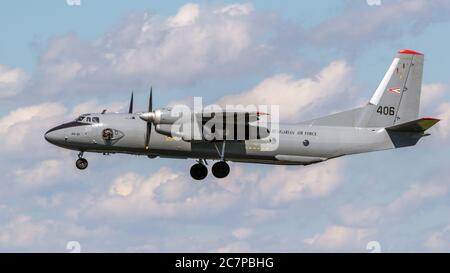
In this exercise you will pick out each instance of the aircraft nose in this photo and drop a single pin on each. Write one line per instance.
(54, 136)
(50, 136)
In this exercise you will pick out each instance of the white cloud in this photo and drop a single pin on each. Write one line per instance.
(171, 194)
(350, 215)
(12, 81)
(191, 46)
(298, 97)
(124, 185)
(285, 185)
(26, 126)
(410, 199)
(165, 194)
(201, 42)
(236, 9)
(242, 232)
(431, 92)
(45, 173)
(340, 238)
(50, 201)
(439, 240)
(25, 114)
(92, 106)
(234, 247)
(26, 233)
(443, 127)
(358, 28)
(21, 231)
(186, 15)
(418, 193)
(259, 215)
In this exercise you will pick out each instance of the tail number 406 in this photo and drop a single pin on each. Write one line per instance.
(386, 110)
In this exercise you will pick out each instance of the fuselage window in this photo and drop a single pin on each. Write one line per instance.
(95, 120)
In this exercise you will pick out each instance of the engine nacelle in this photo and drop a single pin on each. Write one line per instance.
(166, 129)
(162, 116)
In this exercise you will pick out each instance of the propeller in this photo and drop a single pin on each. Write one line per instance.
(130, 110)
(149, 121)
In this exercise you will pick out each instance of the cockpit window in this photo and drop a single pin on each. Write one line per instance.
(86, 118)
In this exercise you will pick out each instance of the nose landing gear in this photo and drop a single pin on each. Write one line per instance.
(81, 162)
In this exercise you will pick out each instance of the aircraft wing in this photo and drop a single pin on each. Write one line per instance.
(234, 125)
(220, 126)
(238, 117)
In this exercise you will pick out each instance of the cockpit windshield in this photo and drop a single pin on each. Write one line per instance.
(88, 119)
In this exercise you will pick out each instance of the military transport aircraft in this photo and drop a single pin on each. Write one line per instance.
(388, 121)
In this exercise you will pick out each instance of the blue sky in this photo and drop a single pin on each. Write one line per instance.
(310, 57)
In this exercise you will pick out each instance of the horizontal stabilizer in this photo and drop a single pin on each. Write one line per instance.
(418, 125)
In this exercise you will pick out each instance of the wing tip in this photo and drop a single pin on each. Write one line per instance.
(427, 122)
(430, 118)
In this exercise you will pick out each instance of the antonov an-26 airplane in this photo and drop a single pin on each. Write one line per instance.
(388, 121)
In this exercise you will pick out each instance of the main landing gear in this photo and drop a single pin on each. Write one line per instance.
(81, 162)
(220, 169)
(199, 171)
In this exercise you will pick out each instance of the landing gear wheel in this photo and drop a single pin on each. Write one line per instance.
(81, 163)
(220, 169)
(199, 171)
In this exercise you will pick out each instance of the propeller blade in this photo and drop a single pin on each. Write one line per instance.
(149, 124)
(130, 110)
(147, 135)
(150, 100)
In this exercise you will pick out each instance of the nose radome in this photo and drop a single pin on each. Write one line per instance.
(53, 136)
(50, 136)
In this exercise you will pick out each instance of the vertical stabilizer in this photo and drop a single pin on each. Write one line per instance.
(395, 101)
(397, 98)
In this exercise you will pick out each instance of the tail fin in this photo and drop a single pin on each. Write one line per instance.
(395, 101)
(397, 98)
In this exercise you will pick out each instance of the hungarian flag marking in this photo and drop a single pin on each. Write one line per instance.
(394, 90)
